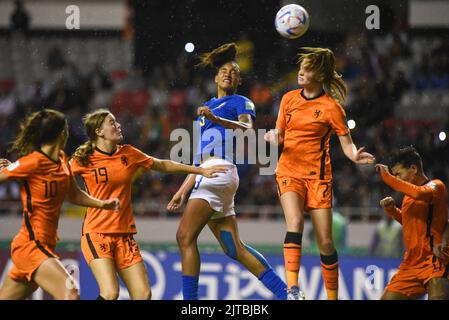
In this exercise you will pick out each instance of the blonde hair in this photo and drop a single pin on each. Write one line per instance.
(92, 121)
(321, 61)
(38, 128)
(219, 56)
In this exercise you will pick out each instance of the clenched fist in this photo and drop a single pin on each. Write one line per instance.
(387, 203)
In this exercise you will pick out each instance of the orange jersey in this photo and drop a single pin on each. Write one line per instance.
(45, 183)
(110, 176)
(423, 216)
(308, 125)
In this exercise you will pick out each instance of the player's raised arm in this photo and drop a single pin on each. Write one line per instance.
(424, 193)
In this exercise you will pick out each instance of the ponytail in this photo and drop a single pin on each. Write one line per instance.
(336, 87)
(83, 152)
(219, 56)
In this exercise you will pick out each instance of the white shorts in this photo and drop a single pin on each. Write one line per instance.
(219, 192)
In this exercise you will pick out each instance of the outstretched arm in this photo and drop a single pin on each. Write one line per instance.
(168, 166)
(352, 153)
(424, 193)
(81, 198)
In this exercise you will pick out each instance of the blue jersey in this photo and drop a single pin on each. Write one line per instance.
(215, 140)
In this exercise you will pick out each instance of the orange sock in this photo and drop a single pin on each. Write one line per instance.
(329, 269)
(292, 260)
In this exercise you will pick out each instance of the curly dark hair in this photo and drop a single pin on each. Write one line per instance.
(406, 157)
(219, 56)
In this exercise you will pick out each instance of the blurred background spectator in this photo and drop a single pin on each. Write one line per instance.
(20, 19)
(387, 240)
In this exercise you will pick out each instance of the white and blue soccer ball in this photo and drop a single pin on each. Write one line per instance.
(292, 21)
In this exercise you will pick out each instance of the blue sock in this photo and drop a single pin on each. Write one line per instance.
(190, 287)
(274, 283)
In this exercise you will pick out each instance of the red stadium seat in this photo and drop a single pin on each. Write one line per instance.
(138, 101)
(118, 75)
(120, 101)
(7, 84)
(134, 102)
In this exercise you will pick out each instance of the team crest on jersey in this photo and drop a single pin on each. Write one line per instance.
(124, 160)
(249, 105)
(103, 247)
(433, 185)
(12, 166)
(317, 113)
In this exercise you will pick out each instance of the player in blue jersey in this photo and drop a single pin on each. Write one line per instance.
(211, 201)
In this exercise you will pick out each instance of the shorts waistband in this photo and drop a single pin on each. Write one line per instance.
(216, 162)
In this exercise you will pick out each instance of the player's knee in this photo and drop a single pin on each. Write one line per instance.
(438, 296)
(438, 289)
(110, 295)
(228, 245)
(326, 247)
(184, 238)
(295, 223)
(147, 294)
(71, 295)
(144, 294)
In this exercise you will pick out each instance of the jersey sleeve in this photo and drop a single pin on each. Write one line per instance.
(428, 192)
(74, 167)
(22, 168)
(338, 121)
(395, 213)
(139, 158)
(281, 122)
(246, 106)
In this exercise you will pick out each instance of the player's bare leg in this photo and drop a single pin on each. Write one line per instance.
(194, 218)
(322, 224)
(105, 273)
(293, 206)
(227, 234)
(54, 279)
(438, 289)
(391, 295)
(136, 280)
(16, 290)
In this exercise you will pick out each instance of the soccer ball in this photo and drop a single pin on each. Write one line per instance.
(292, 21)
